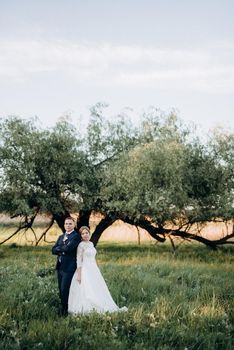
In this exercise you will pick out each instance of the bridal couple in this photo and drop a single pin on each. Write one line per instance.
(82, 288)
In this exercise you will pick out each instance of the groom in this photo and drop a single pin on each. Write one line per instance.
(65, 248)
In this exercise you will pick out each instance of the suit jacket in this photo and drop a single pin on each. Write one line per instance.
(66, 251)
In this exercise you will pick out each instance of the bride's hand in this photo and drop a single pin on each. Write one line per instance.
(78, 278)
(78, 274)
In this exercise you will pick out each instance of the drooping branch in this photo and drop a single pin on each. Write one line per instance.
(155, 232)
(191, 236)
(45, 232)
(213, 244)
(34, 233)
(23, 225)
(13, 234)
(138, 235)
(226, 239)
(172, 243)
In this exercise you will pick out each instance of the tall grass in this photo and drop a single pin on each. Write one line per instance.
(183, 301)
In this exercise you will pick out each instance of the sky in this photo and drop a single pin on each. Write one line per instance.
(61, 57)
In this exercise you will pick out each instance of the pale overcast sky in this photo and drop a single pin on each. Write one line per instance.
(61, 57)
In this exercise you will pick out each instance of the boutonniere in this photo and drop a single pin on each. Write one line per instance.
(65, 238)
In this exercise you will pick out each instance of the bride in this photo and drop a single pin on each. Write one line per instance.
(88, 290)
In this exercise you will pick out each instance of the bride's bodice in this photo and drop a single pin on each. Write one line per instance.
(86, 253)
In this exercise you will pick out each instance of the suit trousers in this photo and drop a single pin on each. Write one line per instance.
(64, 282)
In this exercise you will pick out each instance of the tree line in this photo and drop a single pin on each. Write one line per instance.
(159, 175)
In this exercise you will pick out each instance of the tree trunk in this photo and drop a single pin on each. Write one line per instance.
(102, 226)
(84, 216)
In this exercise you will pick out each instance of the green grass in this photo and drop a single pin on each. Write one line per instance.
(182, 301)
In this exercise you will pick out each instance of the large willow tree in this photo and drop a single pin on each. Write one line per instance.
(158, 175)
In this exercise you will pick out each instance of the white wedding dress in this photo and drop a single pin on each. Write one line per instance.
(92, 293)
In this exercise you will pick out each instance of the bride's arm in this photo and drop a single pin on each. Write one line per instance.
(79, 260)
(79, 274)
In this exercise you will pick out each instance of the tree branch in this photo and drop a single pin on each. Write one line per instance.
(45, 232)
(27, 223)
(146, 225)
(13, 234)
(156, 233)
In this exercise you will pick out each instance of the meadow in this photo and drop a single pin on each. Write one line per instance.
(176, 301)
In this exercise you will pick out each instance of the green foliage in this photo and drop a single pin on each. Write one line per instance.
(44, 170)
(148, 181)
(205, 181)
(175, 301)
(170, 177)
(105, 139)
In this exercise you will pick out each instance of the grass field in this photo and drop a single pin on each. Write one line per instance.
(182, 301)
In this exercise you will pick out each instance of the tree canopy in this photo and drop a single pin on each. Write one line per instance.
(157, 175)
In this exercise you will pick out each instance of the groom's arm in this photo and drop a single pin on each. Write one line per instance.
(66, 248)
(56, 247)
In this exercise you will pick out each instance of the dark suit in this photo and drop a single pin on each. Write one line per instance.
(66, 264)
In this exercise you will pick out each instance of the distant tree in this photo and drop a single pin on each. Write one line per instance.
(156, 175)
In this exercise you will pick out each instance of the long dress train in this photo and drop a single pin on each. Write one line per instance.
(92, 293)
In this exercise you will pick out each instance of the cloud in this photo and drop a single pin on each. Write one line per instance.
(104, 65)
